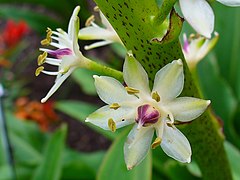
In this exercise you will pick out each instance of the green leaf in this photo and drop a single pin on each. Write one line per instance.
(81, 165)
(50, 168)
(229, 44)
(79, 111)
(5, 173)
(114, 167)
(220, 93)
(24, 152)
(233, 155)
(84, 78)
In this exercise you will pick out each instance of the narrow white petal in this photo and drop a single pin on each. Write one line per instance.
(134, 75)
(169, 81)
(230, 2)
(137, 145)
(97, 44)
(95, 33)
(111, 91)
(73, 26)
(176, 145)
(187, 108)
(199, 15)
(105, 22)
(57, 84)
(122, 116)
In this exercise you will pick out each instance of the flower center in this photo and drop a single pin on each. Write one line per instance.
(147, 115)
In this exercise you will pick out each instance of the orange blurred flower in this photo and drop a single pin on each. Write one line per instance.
(42, 114)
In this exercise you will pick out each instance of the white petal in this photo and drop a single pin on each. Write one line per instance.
(176, 145)
(137, 145)
(134, 75)
(95, 33)
(230, 2)
(122, 116)
(199, 15)
(187, 108)
(97, 44)
(105, 22)
(73, 26)
(169, 80)
(111, 91)
(57, 84)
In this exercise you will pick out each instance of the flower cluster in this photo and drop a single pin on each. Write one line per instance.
(66, 56)
(95, 32)
(200, 16)
(148, 110)
(196, 48)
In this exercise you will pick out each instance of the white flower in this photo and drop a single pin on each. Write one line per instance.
(200, 16)
(147, 110)
(66, 56)
(197, 47)
(94, 32)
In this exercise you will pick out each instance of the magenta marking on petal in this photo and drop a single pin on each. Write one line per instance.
(59, 53)
(147, 115)
(185, 43)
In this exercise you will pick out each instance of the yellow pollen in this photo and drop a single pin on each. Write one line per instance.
(96, 9)
(41, 58)
(112, 125)
(156, 142)
(39, 70)
(156, 96)
(169, 124)
(114, 106)
(89, 20)
(46, 42)
(131, 90)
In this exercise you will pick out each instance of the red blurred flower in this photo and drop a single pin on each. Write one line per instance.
(42, 114)
(13, 32)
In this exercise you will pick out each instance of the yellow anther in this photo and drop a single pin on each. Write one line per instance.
(46, 42)
(96, 9)
(89, 20)
(112, 125)
(49, 33)
(169, 124)
(156, 96)
(39, 70)
(131, 90)
(156, 142)
(114, 106)
(42, 58)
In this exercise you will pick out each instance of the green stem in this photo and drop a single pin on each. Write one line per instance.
(133, 23)
(103, 70)
(164, 11)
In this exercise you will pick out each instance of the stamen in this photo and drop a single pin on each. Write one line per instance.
(131, 90)
(49, 33)
(89, 20)
(112, 125)
(42, 58)
(96, 9)
(39, 70)
(46, 42)
(156, 96)
(51, 73)
(114, 106)
(156, 142)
